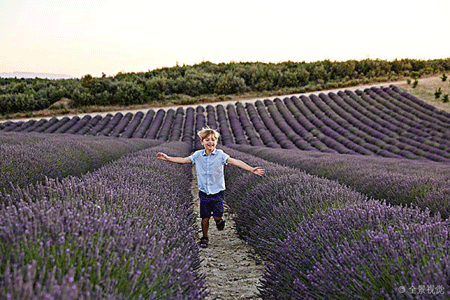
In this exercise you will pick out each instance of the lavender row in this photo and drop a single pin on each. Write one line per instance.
(166, 125)
(322, 240)
(126, 231)
(224, 128)
(283, 196)
(236, 126)
(176, 130)
(154, 128)
(30, 157)
(188, 131)
(398, 181)
(143, 126)
(211, 117)
(200, 122)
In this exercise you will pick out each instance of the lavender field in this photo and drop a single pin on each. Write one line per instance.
(377, 122)
(354, 203)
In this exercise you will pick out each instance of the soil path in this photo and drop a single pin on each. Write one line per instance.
(231, 267)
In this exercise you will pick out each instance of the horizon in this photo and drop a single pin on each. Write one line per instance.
(54, 37)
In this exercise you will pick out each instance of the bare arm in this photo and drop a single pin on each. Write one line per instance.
(180, 160)
(239, 163)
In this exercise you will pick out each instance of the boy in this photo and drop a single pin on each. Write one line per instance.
(210, 178)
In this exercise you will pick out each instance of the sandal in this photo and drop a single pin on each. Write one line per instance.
(204, 242)
(220, 224)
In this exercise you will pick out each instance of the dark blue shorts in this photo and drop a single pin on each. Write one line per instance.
(211, 204)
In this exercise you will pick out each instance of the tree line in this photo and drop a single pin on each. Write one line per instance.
(189, 83)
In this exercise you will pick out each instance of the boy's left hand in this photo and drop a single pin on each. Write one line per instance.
(258, 171)
(162, 156)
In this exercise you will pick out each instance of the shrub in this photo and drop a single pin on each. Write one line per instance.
(438, 93)
(362, 251)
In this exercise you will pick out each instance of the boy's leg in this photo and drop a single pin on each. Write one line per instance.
(205, 226)
(205, 212)
(218, 209)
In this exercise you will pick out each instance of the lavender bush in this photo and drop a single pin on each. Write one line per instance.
(125, 231)
(30, 157)
(398, 181)
(268, 207)
(155, 125)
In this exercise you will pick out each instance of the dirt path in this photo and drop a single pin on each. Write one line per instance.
(232, 268)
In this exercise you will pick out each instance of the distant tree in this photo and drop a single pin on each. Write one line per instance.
(129, 93)
(230, 84)
(319, 72)
(415, 83)
(444, 77)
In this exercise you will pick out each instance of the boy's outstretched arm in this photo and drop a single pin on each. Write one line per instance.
(239, 163)
(180, 160)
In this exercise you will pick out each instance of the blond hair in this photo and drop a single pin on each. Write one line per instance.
(206, 131)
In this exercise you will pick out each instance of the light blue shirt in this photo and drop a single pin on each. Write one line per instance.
(209, 168)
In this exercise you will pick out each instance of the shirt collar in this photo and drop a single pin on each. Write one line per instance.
(213, 153)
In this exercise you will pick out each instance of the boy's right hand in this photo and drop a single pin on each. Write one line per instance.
(162, 156)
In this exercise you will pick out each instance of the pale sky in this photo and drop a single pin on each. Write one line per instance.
(79, 37)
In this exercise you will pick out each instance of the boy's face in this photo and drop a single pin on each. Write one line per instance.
(209, 142)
